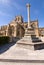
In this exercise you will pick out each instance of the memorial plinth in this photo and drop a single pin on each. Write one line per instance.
(30, 41)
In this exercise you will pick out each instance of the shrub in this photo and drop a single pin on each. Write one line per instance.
(4, 40)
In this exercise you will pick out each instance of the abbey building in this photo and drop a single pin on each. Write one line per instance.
(16, 28)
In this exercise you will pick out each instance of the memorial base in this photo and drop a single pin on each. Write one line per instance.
(30, 41)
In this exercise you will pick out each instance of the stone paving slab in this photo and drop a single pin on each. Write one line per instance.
(21, 56)
(15, 52)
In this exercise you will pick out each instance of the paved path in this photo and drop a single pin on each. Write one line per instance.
(19, 56)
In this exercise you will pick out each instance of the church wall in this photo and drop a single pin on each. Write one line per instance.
(41, 32)
(20, 31)
(17, 28)
(37, 32)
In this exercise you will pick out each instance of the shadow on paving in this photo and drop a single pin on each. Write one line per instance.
(5, 47)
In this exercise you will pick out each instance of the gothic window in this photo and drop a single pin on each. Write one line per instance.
(26, 26)
(33, 25)
(11, 30)
(12, 27)
(16, 19)
(18, 32)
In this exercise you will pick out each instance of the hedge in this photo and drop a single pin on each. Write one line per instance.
(4, 40)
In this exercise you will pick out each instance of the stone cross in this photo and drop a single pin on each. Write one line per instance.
(28, 10)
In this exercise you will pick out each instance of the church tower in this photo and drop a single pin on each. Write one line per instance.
(19, 19)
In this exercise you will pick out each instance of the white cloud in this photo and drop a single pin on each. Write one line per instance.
(12, 3)
(4, 14)
(5, 2)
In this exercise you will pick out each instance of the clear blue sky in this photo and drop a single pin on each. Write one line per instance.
(11, 8)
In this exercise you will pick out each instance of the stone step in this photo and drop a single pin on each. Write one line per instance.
(34, 39)
(21, 62)
(29, 34)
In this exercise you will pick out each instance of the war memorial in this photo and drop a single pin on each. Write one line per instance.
(30, 40)
(27, 51)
